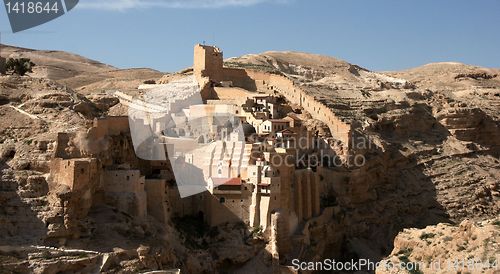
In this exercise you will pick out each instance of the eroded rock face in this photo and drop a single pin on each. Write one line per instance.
(17, 259)
(469, 248)
(470, 125)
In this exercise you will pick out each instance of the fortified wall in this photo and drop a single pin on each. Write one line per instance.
(210, 72)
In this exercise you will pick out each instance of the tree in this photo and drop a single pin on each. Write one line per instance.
(19, 66)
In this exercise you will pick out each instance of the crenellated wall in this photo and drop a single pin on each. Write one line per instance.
(340, 130)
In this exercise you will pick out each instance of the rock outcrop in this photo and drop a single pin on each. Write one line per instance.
(467, 248)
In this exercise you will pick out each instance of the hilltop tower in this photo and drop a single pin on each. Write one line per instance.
(208, 62)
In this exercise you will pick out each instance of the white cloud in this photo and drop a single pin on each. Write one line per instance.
(121, 5)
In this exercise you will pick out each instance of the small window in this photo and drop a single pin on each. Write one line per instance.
(222, 200)
(128, 178)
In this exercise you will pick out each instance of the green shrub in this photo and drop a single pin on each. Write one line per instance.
(425, 236)
(447, 238)
(19, 66)
(257, 232)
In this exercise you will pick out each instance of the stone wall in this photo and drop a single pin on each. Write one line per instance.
(157, 199)
(240, 78)
(77, 174)
(233, 209)
(306, 198)
(122, 181)
(179, 207)
(238, 95)
(125, 190)
(279, 238)
(109, 126)
(72, 184)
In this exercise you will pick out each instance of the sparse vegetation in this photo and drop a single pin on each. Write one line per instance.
(265, 68)
(405, 251)
(19, 66)
(447, 238)
(192, 229)
(257, 232)
(461, 248)
(405, 259)
(425, 236)
(149, 82)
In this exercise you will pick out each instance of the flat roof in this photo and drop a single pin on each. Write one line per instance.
(226, 181)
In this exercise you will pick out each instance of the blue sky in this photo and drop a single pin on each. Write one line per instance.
(378, 35)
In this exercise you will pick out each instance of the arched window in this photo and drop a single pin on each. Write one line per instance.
(222, 200)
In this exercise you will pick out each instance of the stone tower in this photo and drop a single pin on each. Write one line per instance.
(208, 62)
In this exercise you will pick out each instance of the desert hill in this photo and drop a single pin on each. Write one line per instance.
(451, 75)
(78, 72)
